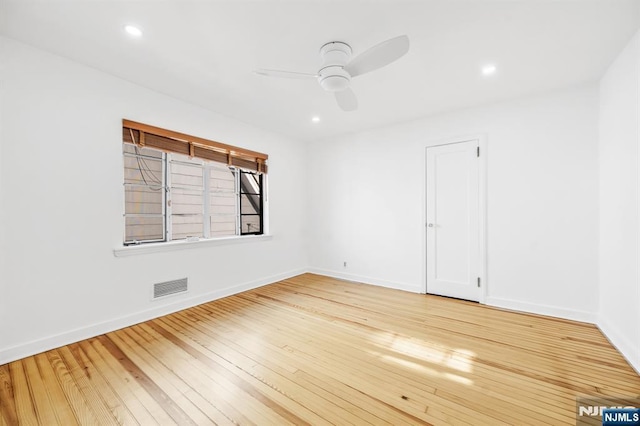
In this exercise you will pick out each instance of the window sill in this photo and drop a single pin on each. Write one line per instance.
(135, 250)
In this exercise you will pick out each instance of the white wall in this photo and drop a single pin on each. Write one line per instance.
(619, 316)
(367, 205)
(62, 203)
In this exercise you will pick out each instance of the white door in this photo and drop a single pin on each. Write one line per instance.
(453, 228)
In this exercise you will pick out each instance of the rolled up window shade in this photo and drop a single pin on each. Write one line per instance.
(145, 135)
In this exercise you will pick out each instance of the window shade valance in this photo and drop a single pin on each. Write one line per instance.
(193, 146)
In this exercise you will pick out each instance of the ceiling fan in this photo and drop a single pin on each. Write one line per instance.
(338, 68)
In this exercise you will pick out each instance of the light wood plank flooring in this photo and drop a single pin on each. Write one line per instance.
(315, 350)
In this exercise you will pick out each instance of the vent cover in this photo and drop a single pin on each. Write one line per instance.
(169, 287)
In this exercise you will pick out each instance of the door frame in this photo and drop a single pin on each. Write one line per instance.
(482, 208)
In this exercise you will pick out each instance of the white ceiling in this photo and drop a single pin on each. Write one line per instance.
(204, 51)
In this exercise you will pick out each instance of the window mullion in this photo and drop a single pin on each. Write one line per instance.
(167, 216)
(206, 201)
(238, 196)
(261, 186)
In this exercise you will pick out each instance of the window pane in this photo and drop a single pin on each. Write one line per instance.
(142, 171)
(249, 183)
(186, 213)
(144, 228)
(249, 204)
(221, 226)
(223, 213)
(222, 179)
(222, 201)
(140, 199)
(250, 224)
(144, 194)
(183, 226)
(187, 205)
(186, 175)
(186, 201)
(222, 204)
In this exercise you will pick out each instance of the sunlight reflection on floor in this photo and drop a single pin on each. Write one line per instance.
(406, 347)
(389, 359)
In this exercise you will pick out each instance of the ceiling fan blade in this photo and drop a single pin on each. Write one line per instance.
(284, 74)
(378, 56)
(347, 100)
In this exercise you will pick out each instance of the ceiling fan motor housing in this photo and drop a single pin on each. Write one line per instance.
(332, 76)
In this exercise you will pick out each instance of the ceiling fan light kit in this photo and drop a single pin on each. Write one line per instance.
(337, 68)
(332, 76)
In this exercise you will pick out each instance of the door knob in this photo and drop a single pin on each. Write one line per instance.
(430, 225)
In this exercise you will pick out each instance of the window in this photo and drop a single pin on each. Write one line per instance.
(172, 196)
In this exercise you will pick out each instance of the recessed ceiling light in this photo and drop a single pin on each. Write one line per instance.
(315, 119)
(133, 30)
(489, 69)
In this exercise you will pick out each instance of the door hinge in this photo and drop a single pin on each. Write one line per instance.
(478, 281)
(478, 151)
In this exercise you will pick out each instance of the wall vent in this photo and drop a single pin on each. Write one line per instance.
(169, 287)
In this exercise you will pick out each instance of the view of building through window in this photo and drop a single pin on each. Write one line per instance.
(169, 196)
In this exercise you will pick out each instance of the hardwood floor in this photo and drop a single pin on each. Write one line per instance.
(315, 350)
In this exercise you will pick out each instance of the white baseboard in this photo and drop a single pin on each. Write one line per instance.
(628, 350)
(366, 280)
(72, 336)
(534, 308)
